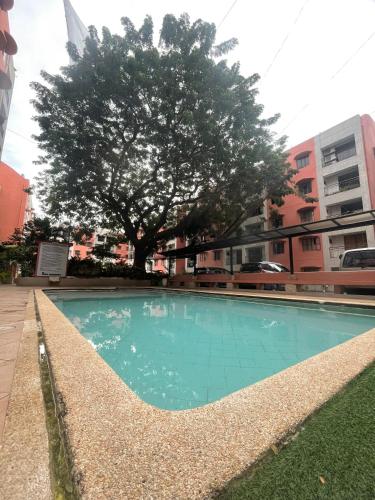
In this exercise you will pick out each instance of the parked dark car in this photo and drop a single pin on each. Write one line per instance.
(264, 267)
(210, 270)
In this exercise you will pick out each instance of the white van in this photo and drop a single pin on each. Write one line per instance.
(357, 259)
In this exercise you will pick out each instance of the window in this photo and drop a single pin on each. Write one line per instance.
(309, 244)
(190, 263)
(307, 215)
(277, 220)
(250, 267)
(354, 206)
(356, 240)
(278, 247)
(310, 269)
(217, 254)
(303, 160)
(254, 254)
(346, 150)
(342, 151)
(100, 237)
(256, 211)
(349, 180)
(360, 258)
(253, 228)
(78, 253)
(304, 187)
(203, 257)
(237, 257)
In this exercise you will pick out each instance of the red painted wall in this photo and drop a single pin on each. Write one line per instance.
(291, 214)
(207, 259)
(368, 131)
(80, 251)
(180, 263)
(13, 201)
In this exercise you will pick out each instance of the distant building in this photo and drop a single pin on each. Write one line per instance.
(77, 31)
(15, 202)
(99, 238)
(337, 167)
(8, 48)
(335, 176)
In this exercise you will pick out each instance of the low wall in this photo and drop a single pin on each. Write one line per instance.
(72, 282)
(330, 278)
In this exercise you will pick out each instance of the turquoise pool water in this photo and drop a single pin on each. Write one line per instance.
(179, 350)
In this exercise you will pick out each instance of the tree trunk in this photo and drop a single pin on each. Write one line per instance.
(140, 256)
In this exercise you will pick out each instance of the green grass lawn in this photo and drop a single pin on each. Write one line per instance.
(333, 457)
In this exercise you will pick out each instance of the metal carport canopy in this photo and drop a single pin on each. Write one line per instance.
(349, 221)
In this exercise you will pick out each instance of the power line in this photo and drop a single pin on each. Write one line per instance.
(277, 53)
(22, 136)
(227, 14)
(355, 53)
(331, 78)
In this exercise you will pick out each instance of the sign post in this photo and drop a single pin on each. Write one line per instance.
(52, 259)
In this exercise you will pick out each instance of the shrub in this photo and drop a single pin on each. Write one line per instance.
(5, 277)
(89, 268)
(85, 268)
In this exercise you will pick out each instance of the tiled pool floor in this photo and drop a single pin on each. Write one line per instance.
(179, 351)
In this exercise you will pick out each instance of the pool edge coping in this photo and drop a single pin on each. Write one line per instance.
(170, 472)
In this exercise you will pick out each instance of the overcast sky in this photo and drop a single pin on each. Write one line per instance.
(299, 60)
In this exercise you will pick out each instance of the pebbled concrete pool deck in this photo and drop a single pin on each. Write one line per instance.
(125, 448)
(328, 298)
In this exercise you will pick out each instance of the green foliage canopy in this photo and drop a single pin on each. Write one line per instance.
(155, 141)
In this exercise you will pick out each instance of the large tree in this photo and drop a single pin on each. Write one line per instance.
(155, 141)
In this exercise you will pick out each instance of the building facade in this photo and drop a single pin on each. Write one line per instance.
(335, 176)
(8, 48)
(77, 31)
(15, 201)
(346, 183)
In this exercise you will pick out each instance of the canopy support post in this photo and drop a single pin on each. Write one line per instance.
(291, 259)
(231, 260)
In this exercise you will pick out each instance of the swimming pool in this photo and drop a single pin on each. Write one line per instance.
(179, 350)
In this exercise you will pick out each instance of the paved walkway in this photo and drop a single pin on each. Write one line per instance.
(12, 314)
(24, 457)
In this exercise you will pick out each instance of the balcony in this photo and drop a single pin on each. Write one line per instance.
(342, 185)
(340, 210)
(339, 152)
